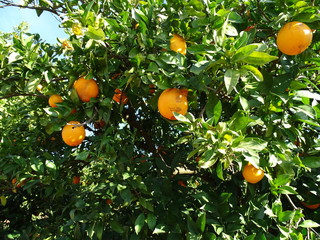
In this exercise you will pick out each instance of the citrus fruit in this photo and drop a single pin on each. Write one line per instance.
(173, 100)
(178, 44)
(311, 206)
(76, 180)
(252, 174)
(293, 38)
(72, 134)
(120, 96)
(53, 99)
(86, 89)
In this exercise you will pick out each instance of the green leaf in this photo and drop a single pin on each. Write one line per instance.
(287, 190)
(3, 200)
(160, 228)
(311, 162)
(307, 94)
(151, 221)
(219, 171)
(139, 223)
(244, 52)
(254, 71)
(116, 226)
(259, 58)
(231, 78)
(213, 108)
(201, 222)
(309, 224)
(286, 216)
(239, 121)
(96, 34)
(199, 67)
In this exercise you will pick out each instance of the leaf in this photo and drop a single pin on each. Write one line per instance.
(201, 222)
(116, 226)
(307, 94)
(213, 108)
(239, 121)
(287, 190)
(14, 57)
(286, 216)
(151, 221)
(96, 34)
(138, 225)
(254, 71)
(311, 162)
(231, 78)
(309, 224)
(199, 67)
(160, 228)
(244, 52)
(3, 200)
(259, 58)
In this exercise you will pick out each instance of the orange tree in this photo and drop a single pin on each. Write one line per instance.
(144, 176)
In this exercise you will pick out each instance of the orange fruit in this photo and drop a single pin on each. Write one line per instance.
(311, 206)
(152, 88)
(173, 100)
(252, 174)
(73, 135)
(293, 38)
(76, 180)
(53, 99)
(182, 183)
(14, 181)
(178, 44)
(86, 89)
(120, 96)
(109, 201)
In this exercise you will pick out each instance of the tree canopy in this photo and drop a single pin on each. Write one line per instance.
(138, 174)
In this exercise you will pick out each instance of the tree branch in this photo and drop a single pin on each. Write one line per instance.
(11, 4)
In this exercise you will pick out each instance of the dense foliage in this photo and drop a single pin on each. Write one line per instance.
(143, 176)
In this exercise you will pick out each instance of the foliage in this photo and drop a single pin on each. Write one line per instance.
(142, 176)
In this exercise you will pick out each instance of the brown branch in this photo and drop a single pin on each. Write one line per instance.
(11, 4)
(23, 95)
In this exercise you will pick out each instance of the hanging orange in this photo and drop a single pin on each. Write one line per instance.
(73, 135)
(53, 99)
(86, 89)
(120, 96)
(252, 174)
(294, 38)
(173, 100)
(178, 44)
(76, 180)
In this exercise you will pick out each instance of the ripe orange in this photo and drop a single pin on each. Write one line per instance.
(53, 99)
(311, 206)
(109, 201)
(76, 180)
(86, 89)
(14, 181)
(293, 38)
(120, 96)
(252, 174)
(173, 100)
(178, 44)
(73, 135)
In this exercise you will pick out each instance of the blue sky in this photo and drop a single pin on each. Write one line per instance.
(46, 25)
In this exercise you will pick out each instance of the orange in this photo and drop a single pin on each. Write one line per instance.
(86, 89)
(76, 180)
(14, 181)
(73, 135)
(109, 201)
(152, 88)
(120, 96)
(173, 100)
(311, 206)
(293, 38)
(178, 44)
(182, 183)
(53, 99)
(252, 174)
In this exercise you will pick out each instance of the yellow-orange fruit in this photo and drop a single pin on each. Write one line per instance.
(73, 135)
(86, 89)
(53, 99)
(173, 100)
(178, 44)
(252, 174)
(293, 38)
